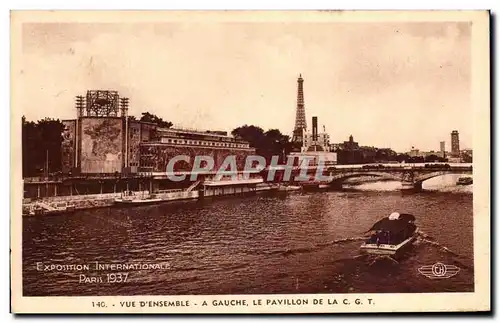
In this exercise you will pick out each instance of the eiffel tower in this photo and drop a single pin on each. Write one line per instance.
(300, 114)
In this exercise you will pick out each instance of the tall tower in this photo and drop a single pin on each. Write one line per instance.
(300, 114)
(455, 144)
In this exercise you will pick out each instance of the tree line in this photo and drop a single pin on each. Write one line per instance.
(41, 141)
(41, 145)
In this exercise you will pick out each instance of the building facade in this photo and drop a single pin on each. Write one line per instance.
(442, 149)
(455, 144)
(103, 139)
(316, 145)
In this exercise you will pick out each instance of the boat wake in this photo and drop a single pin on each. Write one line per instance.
(423, 238)
(341, 241)
(415, 253)
(316, 247)
(376, 260)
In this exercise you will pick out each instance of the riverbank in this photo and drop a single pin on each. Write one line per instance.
(63, 204)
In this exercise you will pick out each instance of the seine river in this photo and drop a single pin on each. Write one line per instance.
(281, 243)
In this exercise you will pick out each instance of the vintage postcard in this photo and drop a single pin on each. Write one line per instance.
(250, 161)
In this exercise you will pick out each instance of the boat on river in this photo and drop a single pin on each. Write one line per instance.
(129, 198)
(464, 181)
(137, 201)
(390, 234)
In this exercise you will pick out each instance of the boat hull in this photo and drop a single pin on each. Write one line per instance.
(386, 249)
(137, 202)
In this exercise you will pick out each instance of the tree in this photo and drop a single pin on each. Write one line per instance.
(267, 144)
(149, 117)
(403, 158)
(41, 141)
(466, 158)
(254, 135)
(417, 159)
(431, 158)
(276, 144)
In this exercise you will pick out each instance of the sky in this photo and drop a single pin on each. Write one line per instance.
(393, 85)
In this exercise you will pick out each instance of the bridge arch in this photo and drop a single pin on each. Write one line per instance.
(425, 176)
(341, 177)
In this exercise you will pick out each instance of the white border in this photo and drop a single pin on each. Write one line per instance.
(5, 126)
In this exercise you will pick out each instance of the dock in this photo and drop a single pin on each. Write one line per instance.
(197, 190)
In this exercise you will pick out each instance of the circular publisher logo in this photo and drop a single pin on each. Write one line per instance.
(438, 269)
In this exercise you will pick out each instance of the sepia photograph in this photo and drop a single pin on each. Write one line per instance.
(197, 162)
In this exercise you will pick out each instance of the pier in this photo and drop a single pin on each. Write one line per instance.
(45, 196)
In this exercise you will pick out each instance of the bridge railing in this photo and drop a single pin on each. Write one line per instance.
(400, 168)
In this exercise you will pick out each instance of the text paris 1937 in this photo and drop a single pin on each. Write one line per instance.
(111, 278)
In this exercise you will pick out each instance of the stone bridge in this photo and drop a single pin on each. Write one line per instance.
(410, 177)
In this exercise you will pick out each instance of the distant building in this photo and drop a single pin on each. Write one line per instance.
(455, 144)
(316, 141)
(335, 146)
(350, 145)
(350, 152)
(316, 145)
(442, 149)
(454, 160)
(414, 152)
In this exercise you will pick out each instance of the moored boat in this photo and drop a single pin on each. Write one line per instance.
(391, 234)
(464, 181)
(137, 201)
(129, 198)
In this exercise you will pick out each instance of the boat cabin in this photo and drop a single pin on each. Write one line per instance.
(392, 230)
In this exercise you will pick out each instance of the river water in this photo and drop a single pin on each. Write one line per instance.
(279, 243)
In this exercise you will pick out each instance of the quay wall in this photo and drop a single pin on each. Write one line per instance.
(104, 200)
(86, 197)
(179, 195)
(79, 202)
(228, 190)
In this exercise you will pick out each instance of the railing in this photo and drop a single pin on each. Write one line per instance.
(193, 186)
(73, 198)
(169, 191)
(400, 168)
(234, 182)
(60, 178)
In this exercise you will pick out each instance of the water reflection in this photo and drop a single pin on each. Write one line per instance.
(279, 243)
(444, 183)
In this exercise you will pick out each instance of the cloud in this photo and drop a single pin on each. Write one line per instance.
(370, 79)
